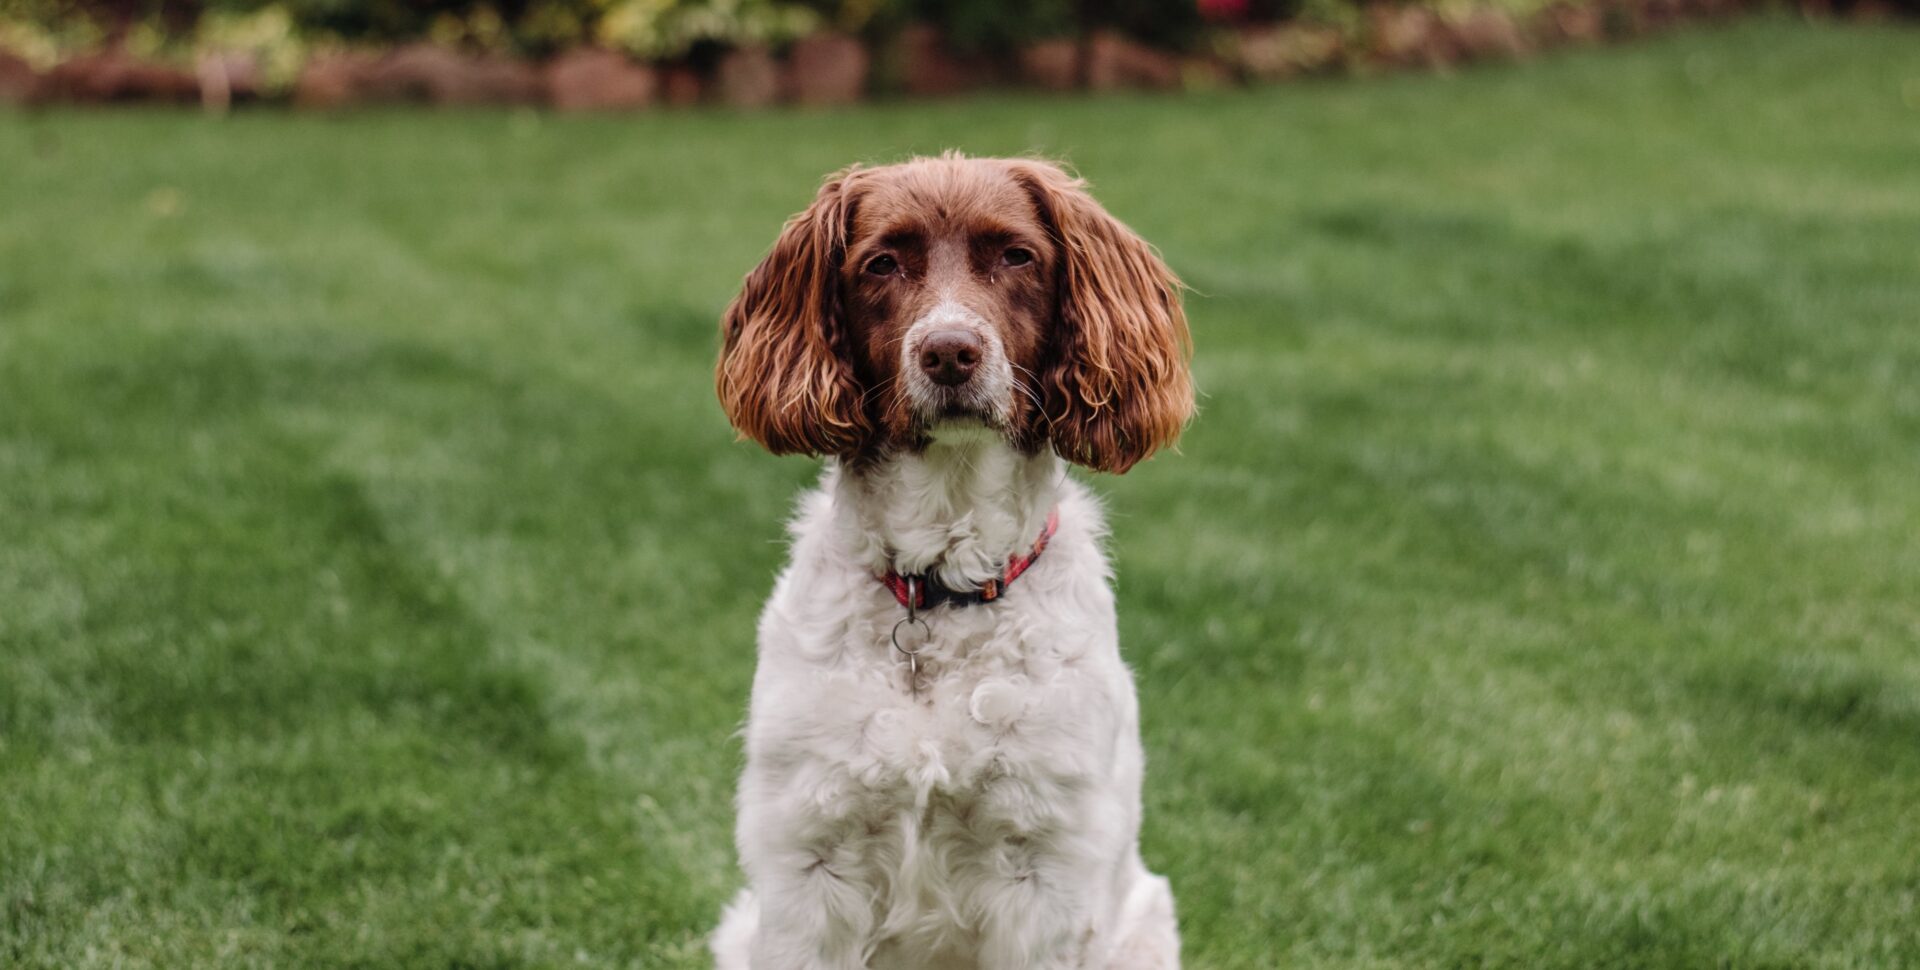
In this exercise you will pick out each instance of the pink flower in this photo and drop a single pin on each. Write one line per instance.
(1222, 9)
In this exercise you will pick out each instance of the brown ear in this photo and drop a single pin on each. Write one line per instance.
(785, 377)
(1116, 388)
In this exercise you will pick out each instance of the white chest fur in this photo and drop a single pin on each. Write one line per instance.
(988, 818)
(1007, 695)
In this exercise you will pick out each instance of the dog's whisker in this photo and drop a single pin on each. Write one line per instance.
(876, 389)
(1028, 392)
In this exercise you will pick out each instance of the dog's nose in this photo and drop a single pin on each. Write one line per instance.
(949, 356)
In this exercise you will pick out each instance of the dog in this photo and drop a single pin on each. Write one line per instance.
(943, 761)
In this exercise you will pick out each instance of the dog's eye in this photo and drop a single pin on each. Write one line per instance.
(1017, 256)
(883, 265)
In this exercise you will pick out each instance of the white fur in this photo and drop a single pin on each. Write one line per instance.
(988, 818)
(992, 384)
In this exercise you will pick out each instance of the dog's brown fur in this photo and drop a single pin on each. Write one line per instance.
(1090, 318)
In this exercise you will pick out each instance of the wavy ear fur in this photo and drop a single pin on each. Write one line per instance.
(1116, 386)
(785, 375)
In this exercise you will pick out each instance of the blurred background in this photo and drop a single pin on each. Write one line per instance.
(631, 54)
(1538, 586)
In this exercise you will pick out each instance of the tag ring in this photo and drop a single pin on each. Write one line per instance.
(912, 621)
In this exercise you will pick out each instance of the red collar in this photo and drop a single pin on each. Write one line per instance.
(930, 592)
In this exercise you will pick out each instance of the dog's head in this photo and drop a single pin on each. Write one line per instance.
(943, 292)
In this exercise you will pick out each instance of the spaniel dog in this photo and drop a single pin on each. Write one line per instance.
(943, 752)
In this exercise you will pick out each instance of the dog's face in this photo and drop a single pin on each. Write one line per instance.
(952, 291)
(948, 290)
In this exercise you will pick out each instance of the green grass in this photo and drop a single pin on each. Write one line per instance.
(1539, 587)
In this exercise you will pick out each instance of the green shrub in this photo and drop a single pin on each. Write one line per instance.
(659, 29)
(654, 28)
(990, 25)
(668, 28)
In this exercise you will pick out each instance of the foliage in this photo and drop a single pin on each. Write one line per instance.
(999, 25)
(388, 20)
(267, 33)
(666, 29)
(991, 25)
(44, 42)
(1171, 24)
(653, 28)
(658, 28)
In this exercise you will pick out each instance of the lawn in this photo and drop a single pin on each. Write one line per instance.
(1540, 585)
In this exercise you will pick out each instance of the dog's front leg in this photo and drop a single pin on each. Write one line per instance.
(1029, 925)
(816, 908)
(811, 919)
